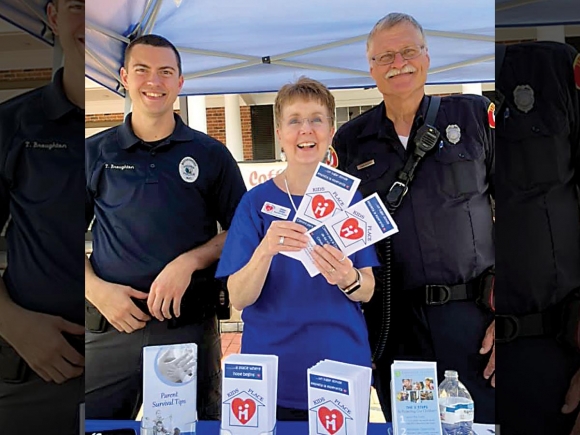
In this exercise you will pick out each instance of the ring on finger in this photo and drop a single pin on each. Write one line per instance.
(342, 259)
(331, 271)
(281, 241)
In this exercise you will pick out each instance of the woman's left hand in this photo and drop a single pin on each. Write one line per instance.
(335, 266)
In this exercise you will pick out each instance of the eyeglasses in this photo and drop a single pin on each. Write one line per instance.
(408, 53)
(316, 122)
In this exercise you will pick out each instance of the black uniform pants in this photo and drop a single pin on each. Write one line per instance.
(114, 368)
(533, 377)
(38, 407)
(451, 335)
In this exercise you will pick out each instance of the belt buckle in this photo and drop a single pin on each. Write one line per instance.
(511, 328)
(429, 300)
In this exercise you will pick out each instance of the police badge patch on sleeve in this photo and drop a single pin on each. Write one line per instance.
(577, 71)
(331, 158)
(491, 115)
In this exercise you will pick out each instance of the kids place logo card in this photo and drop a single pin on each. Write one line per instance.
(414, 398)
(249, 394)
(169, 389)
(362, 224)
(329, 192)
(338, 398)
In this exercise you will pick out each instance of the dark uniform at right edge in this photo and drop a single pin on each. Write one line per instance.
(538, 236)
(444, 246)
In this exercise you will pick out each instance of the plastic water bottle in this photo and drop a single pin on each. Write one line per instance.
(455, 406)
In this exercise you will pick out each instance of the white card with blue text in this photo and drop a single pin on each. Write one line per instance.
(362, 224)
(249, 394)
(338, 398)
(170, 388)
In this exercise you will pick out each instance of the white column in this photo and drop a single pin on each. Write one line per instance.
(234, 126)
(471, 88)
(196, 113)
(551, 33)
(57, 56)
(128, 104)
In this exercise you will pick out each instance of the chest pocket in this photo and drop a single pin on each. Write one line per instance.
(461, 168)
(374, 178)
(534, 148)
(115, 184)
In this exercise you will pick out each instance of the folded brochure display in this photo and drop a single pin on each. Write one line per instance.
(249, 394)
(169, 389)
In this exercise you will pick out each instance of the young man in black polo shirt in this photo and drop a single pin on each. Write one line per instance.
(42, 289)
(157, 188)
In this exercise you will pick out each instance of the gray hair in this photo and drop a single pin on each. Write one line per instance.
(391, 20)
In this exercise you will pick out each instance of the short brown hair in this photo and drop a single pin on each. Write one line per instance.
(154, 41)
(304, 89)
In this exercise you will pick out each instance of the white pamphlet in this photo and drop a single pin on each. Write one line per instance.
(170, 389)
(249, 394)
(338, 398)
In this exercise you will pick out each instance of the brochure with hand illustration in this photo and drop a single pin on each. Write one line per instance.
(249, 394)
(169, 389)
(414, 398)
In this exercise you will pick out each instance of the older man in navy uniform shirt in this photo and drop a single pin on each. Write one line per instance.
(157, 189)
(538, 237)
(42, 290)
(445, 219)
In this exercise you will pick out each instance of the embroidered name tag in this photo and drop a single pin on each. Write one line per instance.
(276, 210)
(121, 167)
(45, 146)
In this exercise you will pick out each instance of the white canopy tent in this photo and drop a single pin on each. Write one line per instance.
(256, 46)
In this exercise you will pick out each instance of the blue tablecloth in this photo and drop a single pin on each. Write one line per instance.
(284, 427)
(213, 427)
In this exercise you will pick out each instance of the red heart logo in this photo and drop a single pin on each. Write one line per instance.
(331, 420)
(244, 410)
(269, 207)
(321, 206)
(351, 230)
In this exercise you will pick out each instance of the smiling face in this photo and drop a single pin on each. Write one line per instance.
(67, 21)
(152, 79)
(402, 77)
(305, 142)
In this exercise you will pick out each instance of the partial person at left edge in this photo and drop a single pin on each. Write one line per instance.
(42, 289)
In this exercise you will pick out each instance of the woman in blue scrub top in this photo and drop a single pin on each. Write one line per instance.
(286, 312)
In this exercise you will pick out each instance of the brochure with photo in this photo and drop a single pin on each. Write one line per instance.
(414, 398)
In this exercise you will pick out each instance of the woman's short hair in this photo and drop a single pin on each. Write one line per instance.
(304, 89)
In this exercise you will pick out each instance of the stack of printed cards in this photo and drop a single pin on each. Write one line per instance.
(414, 398)
(325, 212)
(329, 192)
(249, 394)
(338, 398)
(170, 389)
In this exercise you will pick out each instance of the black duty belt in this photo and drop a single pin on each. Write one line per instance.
(437, 294)
(510, 327)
